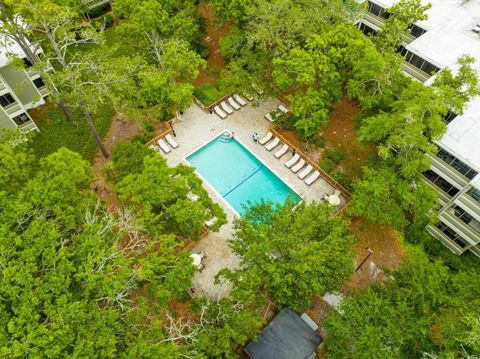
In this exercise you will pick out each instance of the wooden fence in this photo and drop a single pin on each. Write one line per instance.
(154, 140)
(332, 182)
(209, 108)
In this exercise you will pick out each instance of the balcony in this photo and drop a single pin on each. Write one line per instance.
(91, 4)
(469, 205)
(463, 229)
(374, 19)
(12, 108)
(43, 91)
(437, 233)
(475, 250)
(28, 127)
(442, 196)
(448, 172)
(415, 72)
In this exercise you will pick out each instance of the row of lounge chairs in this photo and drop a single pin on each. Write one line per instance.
(296, 163)
(162, 144)
(228, 106)
(279, 111)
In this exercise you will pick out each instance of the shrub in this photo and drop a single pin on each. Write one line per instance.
(128, 159)
(334, 155)
(209, 93)
(148, 130)
(204, 52)
(103, 22)
(139, 139)
(319, 141)
(342, 178)
(327, 165)
(56, 131)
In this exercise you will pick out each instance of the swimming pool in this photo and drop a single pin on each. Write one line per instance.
(237, 174)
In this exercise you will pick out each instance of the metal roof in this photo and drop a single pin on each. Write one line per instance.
(286, 337)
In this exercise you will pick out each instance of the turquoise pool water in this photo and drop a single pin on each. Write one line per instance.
(237, 174)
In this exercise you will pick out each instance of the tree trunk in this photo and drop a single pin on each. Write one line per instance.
(88, 118)
(66, 110)
(22, 41)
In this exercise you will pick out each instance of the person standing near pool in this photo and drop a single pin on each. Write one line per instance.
(255, 137)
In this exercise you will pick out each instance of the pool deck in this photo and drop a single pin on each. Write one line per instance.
(195, 129)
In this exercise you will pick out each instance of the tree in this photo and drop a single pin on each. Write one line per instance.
(403, 15)
(383, 197)
(72, 274)
(264, 31)
(224, 326)
(312, 76)
(405, 137)
(172, 199)
(167, 88)
(155, 22)
(290, 253)
(83, 80)
(15, 160)
(127, 158)
(412, 314)
(13, 28)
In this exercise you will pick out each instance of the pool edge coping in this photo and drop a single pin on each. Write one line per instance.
(226, 130)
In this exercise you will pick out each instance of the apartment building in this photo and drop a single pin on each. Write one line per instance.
(451, 30)
(92, 4)
(20, 89)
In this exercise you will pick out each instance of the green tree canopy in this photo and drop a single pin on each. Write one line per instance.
(290, 253)
(424, 308)
(172, 198)
(70, 270)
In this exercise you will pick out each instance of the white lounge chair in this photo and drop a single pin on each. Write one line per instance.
(240, 100)
(305, 172)
(163, 146)
(267, 138)
(337, 193)
(220, 112)
(299, 165)
(232, 103)
(226, 108)
(273, 144)
(312, 178)
(171, 141)
(292, 160)
(269, 117)
(283, 109)
(281, 151)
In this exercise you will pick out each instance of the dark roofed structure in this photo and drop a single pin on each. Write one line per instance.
(287, 336)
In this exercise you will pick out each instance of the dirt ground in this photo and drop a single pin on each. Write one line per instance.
(341, 133)
(388, 252)
(121, 129)
(214, 33)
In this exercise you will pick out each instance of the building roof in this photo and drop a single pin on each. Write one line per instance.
(450, 35)
(7, 49)
(286, 337)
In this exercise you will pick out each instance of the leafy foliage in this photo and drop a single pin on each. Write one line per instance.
(56, 132)
(172, 199)
(425, 308)
(290, 253)
(69, 268)
(405, 137)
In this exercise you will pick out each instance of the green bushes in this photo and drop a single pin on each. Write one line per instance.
(128, 159)
(331, 158)
(209, 93)
(103, 22)
(56, 131)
